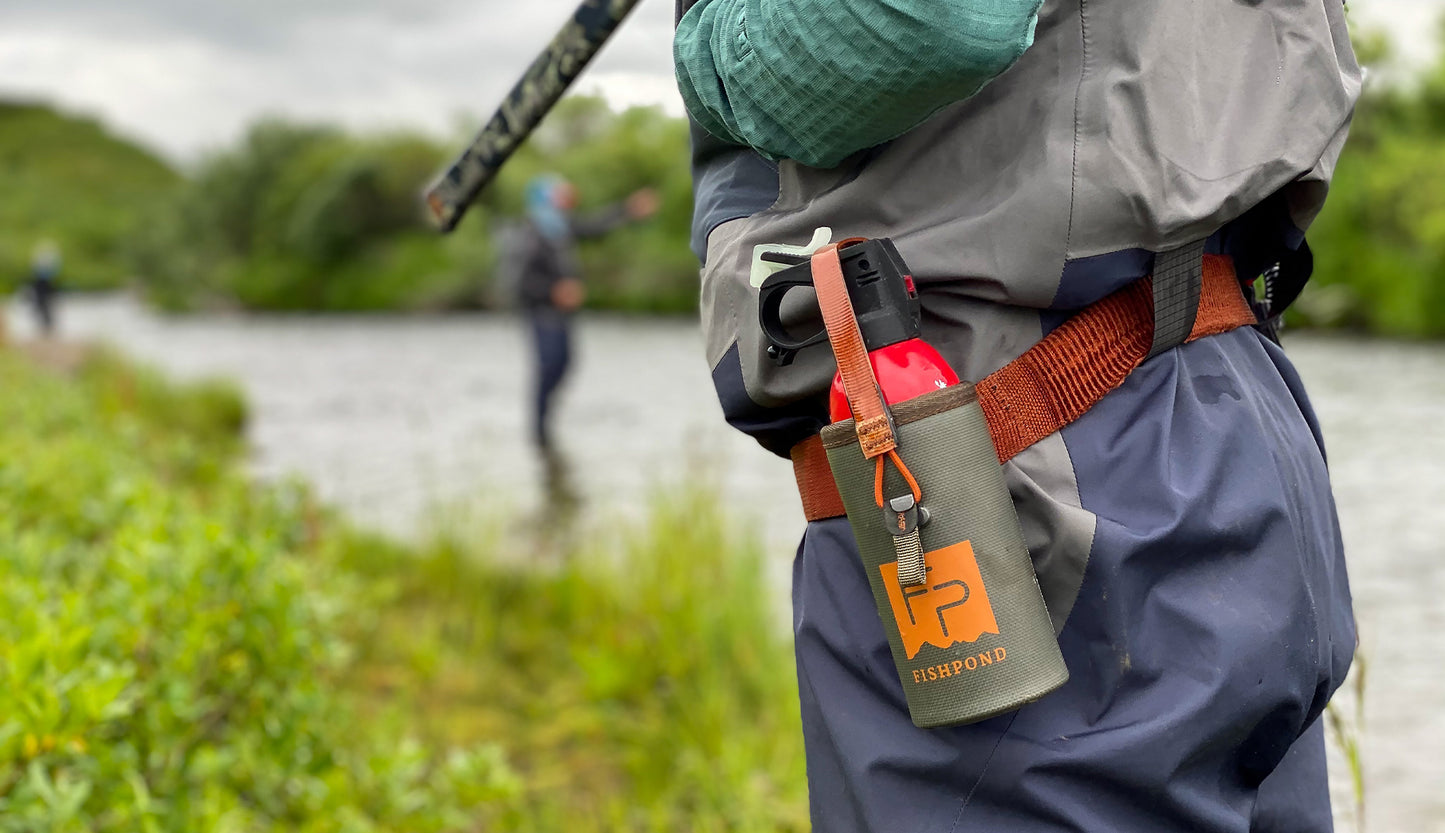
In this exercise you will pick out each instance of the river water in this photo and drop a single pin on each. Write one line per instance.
(393, 417)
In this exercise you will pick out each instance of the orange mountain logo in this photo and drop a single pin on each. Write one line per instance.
(950, 607)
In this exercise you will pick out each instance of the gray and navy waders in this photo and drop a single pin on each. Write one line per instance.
(1182, 530)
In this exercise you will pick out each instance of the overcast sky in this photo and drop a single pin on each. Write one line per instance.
(188, 75)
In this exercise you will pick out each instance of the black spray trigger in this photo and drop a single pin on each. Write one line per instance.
(783, 345)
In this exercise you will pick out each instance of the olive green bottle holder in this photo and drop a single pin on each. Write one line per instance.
(967, 624)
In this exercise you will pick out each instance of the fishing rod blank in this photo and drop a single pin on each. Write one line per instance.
(539, 88)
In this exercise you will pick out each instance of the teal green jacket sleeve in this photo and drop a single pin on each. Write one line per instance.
(817, 80)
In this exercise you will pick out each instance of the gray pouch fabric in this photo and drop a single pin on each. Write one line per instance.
(966, 621)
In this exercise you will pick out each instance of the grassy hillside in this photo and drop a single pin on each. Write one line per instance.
(68, 179)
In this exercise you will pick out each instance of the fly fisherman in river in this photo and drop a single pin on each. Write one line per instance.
(1033, 165)
(44, 278)
(549, 285)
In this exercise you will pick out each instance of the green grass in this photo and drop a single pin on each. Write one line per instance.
(640, 689)
(183, 651)
(1347, 729)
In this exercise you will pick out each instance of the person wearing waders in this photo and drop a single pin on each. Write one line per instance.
(1030, 161)
(44, 271)
(549, 286)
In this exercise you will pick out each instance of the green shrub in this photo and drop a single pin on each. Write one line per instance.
(165, 652)
(211, 412)
(645, 684)
(1380, 241)
(182, 651)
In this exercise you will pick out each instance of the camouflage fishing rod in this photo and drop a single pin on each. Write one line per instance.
(531, 98)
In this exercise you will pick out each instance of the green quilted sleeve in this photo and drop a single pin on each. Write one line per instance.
(817, 80)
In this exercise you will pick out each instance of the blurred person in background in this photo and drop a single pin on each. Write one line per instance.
(549, 284)
(44, 271)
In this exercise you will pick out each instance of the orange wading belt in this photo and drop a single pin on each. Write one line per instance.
(1071, 369)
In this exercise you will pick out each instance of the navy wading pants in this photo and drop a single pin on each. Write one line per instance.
(1211, 626)
(552, 343)
(42, 294)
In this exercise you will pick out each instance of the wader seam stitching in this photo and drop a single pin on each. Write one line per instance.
(1088, 553)
(1074, 164)
(983, 772)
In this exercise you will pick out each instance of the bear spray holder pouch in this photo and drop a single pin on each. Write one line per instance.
(925, 495)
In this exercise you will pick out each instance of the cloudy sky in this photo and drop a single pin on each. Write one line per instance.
(188, 75)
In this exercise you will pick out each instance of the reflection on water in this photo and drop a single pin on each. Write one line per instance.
(388, 416)
(560, 508)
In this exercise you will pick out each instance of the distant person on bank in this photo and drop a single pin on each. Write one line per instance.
(44, 273)
(550, 288)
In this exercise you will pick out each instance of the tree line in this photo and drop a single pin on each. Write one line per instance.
(1380, 242)
(312, 217)
(299, 217)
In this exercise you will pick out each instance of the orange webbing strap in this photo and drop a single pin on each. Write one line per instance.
(815, 480)
(1061, 377)
(875, 427)
(1221, 302)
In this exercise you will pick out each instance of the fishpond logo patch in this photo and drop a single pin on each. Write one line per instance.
(950, 607)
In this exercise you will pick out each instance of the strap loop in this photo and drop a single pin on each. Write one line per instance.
(903, 470)
(1178, 277)
(876, 432)
(912, 565)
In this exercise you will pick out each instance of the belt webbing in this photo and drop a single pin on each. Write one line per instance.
(1061, 377)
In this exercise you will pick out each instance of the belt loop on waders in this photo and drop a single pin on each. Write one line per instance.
(1190, 295)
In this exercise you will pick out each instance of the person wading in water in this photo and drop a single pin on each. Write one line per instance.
(549, 280)
(44, 276)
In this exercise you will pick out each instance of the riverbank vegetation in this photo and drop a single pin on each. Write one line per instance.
(1380, 242)
(183, 650)
(307, 217)
(301, 217)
